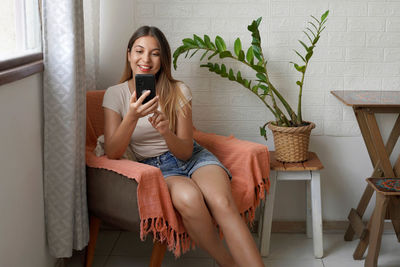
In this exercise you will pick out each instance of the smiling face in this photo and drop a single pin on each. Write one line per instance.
(144, 56)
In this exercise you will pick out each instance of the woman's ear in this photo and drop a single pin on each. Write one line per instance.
(128, 55)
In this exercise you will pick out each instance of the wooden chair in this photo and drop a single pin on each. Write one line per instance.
(387, 206)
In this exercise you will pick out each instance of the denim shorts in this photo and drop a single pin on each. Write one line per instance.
(172, 166)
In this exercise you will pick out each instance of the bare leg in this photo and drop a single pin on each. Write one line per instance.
(215, 186)
(188, 200)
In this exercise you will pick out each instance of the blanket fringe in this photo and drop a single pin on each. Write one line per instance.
(180, 243)
(177, 243)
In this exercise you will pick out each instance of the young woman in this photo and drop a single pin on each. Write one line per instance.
(160, 132)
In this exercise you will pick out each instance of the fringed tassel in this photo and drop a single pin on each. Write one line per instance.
(177, 243)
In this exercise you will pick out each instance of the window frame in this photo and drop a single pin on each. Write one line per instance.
(17, 68)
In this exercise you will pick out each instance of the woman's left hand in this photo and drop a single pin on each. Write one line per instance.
(160, 122)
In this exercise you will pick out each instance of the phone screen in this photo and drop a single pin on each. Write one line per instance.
(143, 83)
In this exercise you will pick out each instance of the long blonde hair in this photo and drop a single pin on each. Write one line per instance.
(168, 91)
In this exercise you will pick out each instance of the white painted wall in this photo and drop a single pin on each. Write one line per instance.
(358, 51)
(22, 228)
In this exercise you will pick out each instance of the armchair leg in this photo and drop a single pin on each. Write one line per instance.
(94, 228)
(157, 254)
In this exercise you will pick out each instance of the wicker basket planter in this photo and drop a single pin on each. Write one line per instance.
(291, 143)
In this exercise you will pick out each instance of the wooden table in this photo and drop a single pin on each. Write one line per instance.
(365, 104)
(310, 172)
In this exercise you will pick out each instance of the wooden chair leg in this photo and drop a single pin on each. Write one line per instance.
(94, 228)
(396, 226)
(157, 254)
(362, 206)
(363, 244)
(375, 235)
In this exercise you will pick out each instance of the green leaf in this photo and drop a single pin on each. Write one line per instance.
(311, 31)
(200, 43)
(316, 28)
(263, 132)
(241, 55)
(257, 68)
(308, 36)
(223, 71)
(225, 54)
(257, 52)
(205, 53)
(264, 87)
(216, 68)
(220, 43)
(258, 21)
(300, 68)
(210, 57)
(304, 45)
(239, 77)
(316, 19)
(231, 76)
(237, 46)
(194, 53)
(323, 17)
(208, 42)
(189, 42)
(250, 55)
(262, 77)
(299, 83)
(255, 89)
(246, 83)
(309, 55)
(253, 26)
(299, 55)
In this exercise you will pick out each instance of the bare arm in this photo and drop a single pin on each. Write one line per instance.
(181, 143)
(118, 131)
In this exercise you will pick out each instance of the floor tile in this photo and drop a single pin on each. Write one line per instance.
(106, 241)
(340, 253)
(131, 261)
(293, 263)
(129, 244)
(127, 261)
(291, 246)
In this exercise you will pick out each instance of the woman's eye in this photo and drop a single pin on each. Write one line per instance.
(139, 51)
(156, 54)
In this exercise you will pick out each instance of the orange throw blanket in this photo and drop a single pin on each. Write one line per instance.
(248, 163)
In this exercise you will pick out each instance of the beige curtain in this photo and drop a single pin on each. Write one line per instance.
(67, 76)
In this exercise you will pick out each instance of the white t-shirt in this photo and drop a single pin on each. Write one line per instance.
(146, 142)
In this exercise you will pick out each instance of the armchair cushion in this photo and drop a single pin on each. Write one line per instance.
(247, 161)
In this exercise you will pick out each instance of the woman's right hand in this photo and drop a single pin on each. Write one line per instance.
(138, 110)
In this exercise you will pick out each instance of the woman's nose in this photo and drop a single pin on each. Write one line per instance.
(146, 57)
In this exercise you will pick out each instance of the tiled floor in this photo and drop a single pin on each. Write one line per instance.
(123, 249)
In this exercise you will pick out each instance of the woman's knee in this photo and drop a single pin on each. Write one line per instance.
(187, 199)
(222, 203)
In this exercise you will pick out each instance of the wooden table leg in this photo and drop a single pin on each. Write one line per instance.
(379, 145)
(375, 236)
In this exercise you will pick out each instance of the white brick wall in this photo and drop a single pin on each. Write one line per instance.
(360, 50)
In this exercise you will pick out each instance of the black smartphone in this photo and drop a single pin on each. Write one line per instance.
(143, 83)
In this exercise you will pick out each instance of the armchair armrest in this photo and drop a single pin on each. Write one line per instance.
(128, 168)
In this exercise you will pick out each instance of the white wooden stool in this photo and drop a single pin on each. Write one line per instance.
(308, 171)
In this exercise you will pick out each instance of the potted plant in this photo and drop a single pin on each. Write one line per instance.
(291, 132)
